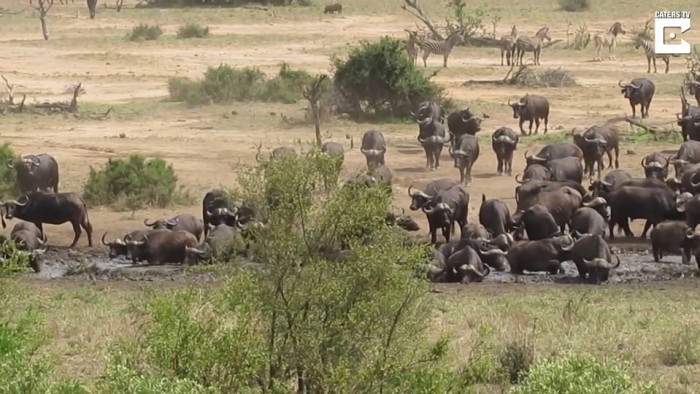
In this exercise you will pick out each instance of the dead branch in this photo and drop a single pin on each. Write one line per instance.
(8, 12)
(412, 7)
(550, 43)
(10, 90)
(645, 126)
(74, 103)
(46, 107)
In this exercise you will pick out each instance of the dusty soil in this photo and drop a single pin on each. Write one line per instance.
(205, 143)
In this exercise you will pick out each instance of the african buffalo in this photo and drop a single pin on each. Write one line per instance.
(494, 215)
(402, 221)
(420, 198)
(335, 150)
(541, 255)
(465, 154)
(162, 246)
(218, 244)
(504, 141)
(526, 193)
(447, 207)
(92, 7)
(557, 150)
(603, 187)
(689, 118)
(566, 169)
(655, 166)
(475, 231)
(690, 205)
(463, 122)
(683, 181)
(672, 236)
(639, 91)
(591, 218)
(333, 8)
(537, 222)
(185, 222)
(374, 148)
(655, 204)
(429, 109)
(51, 208)
(118, 247)
(531, 108)
(36, 172)
(599, 141)
(217, 209)
(431, 135)
(694, 89)
(593, 258)
(560, 203)
(534, 172)
(688, 153)
(28, 237)
(457, 262)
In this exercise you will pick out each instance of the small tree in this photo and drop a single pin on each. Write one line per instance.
(120, 4)
(43, 6)
(312, 93)
(378, 77)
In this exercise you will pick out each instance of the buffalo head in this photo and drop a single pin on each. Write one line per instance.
(600, 187)
(12, 207)
(565, 242)
(418, 199)
(599, 269)
(441, 214)
(117, 247)
(473, 272)
(222, 215)
(460, 157)
(629, 89)
(26, 164)
(374, 156)
(595, 143)
(194, 255)
(681, 200)
(654, 168)
(534, 159)
(517, 107)
(161, 224)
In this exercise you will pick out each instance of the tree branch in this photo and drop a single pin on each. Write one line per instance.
(414, 8)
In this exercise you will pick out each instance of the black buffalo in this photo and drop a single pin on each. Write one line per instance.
(537, 222)
(639, 91)
(447, 207)
(541, 255)
(463, 122)
(51, 208)
(557, 150)
(531, 108)
(494, 215)
(560, 203)
(217, 209)
(118, 246)
(36, 172)
(162, 246)
(431, 135)
(419, 197)
(655, 204)
(689, 204)
(688, 153)
(504, 141)
(457, 262)
(655, 166)
(592, 218)
(28, 237)
(593, 259)
(603, 187)
(465, 154)
(672, 236)
(185, 221)
(374, 148)
(599, 141)
(689, 118)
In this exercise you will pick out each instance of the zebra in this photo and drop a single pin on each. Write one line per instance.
(609, 40)
(532, 44)
(651, 54)
(441, 47)
(411, 45)
(508, 45)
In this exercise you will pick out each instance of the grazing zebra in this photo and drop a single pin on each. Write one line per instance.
(532, 44)
(609, 40)
(411, 45)
(440, 47)
(651, 54)
(508, 45)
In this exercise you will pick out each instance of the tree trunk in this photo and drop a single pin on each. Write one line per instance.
(317, 123)
(44, 28)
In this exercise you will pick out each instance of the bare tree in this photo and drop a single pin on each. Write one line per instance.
(120, 3)
(312, 93)
(43, 6)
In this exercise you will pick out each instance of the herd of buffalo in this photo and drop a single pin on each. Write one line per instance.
(556, 218)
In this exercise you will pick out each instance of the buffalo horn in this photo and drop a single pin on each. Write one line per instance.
(257, 157)
(570, 243)
(469, 268)
(608, 184)
(642, 162)
(419, 192)
(634, 86)
(467, 120)
(449, 139)
(618, 260)
(518, 180)
(596, 262)
(620, 84)
(421, 140)
(145, 222)
(595, 202)
(172, 222)
(11, 164)
(21, 204)
(690, 233)
(41, 241)
(103, 239)
(691, 180)
(509, 103)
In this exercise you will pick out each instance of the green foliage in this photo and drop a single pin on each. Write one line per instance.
(13, 260)
(582, 38)
(516, 359)
(580, 373)
(354, 325)
(8, 176)
(379, 78)
(680, 348)
(468, 20)
(145, 32)
(575, 5)
(225, 84)
(134, 183)
(693, 64)
(192, 30)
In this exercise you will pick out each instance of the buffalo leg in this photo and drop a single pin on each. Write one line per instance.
(647, 225)
(537, 125)
(438, 152)
(617, 157)
(499, 167)
(77, 231)
(433, 234)
(546, 123)
(88, 229)
(529, 129)
(446, 233)
(625, 226)
(521, 122)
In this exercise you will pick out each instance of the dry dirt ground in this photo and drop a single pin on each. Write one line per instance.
(204, 144)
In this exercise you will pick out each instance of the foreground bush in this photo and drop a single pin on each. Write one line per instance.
(308, 317)
(225, 84)
(134, 183)
(582, 373)
(575, 5)
(192, 30)
(8, 176)
(144, 32)
(379, 79)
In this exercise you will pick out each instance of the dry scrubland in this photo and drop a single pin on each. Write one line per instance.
(651, 329)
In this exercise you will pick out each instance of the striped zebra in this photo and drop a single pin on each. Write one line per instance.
(411, 45)
(651, 54)
(532, 44)
(441, 47)
(508, 45)
(609, 40)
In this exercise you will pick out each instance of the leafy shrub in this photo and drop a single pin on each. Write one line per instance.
(580, 373)
(13, 260)
(516, 359)
(353, 326)
(192, 30)
(145, 32)
(680, 348)
(134, 183)
(582, 38)
(575, 5)
(224, 84)
(8, 176)
(378, 77)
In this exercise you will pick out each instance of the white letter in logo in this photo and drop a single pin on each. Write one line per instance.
(660, 25)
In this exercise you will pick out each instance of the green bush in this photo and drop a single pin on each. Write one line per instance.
(575, 5)
(379, 78)
(134, 183)
(8, 176)
(145, 32)
(225, 84)
(354, 325)
(192, 30)
(580, 373)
